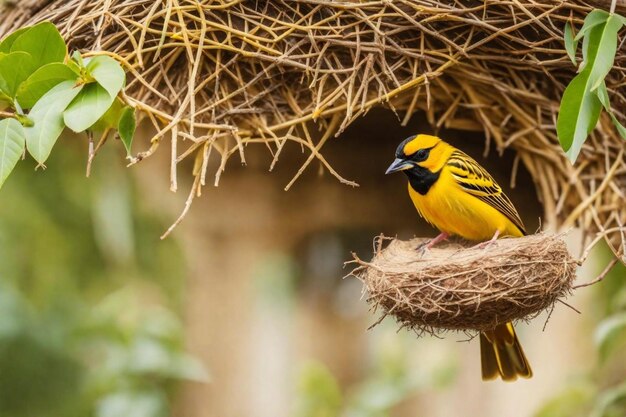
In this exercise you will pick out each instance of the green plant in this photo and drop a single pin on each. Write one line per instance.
(71, 360)
(90, 301)
(43, 91)
(586, 94)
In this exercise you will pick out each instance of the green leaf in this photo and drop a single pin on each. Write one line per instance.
(12, 142)
(318, 392)
(15, 68)
(150, 356)
(41, 81)
(108, 73)
(188, 368)
(5, 101)
(47, 115)
(578, 114)
(110, 119)
(606, 49)
(77, 64)
(621, 129)
(44, 42)
(71, 64)
(608, 331)
(146, 403)
(78, 59)
(583, 63)
(127, 127)
(607, 399)
(594, 18)
(603, 95)
(570, 44)
(595, 38)
(87, 108)
(580, 107)
(7, 42)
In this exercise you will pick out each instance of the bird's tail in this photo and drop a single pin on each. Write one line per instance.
(502, 355)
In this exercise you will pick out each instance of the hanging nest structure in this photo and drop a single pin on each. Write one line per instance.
(455, 288)
(213, 77)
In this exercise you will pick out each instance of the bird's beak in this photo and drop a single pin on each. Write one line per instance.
(398, 165)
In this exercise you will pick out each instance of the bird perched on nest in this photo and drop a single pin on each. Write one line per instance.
(459, 197)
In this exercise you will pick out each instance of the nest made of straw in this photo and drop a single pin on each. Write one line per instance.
(215, 76)
(455, 288)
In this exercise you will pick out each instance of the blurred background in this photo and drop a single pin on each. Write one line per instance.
(245, 311)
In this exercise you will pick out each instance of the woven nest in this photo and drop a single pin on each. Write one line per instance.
(456, 288)
(215, 76)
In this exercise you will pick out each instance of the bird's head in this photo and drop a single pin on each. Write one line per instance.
(416, 152)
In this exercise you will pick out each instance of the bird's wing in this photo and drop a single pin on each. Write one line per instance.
(475, 180)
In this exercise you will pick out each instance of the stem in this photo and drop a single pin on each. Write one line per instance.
(613, 4)
(17, 107)
(7, 114)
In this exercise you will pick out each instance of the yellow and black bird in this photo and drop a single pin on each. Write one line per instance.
(459, 197)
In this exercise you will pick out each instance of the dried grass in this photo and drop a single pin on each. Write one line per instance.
(455, 288)
(216, 76)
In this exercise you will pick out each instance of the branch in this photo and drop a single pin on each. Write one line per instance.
(7, 114)
(600, 277)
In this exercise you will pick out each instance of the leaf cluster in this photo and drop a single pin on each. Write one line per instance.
(586, 94)
(46, 92)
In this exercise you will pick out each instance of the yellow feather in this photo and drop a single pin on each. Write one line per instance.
(451, 208)
(420, 141)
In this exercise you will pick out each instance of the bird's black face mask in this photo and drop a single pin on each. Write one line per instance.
(420, 178)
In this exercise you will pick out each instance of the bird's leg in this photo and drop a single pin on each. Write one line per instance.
(432, 242)
(439, 238)
(485, 245)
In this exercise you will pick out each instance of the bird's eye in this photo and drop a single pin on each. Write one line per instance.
(421, 155)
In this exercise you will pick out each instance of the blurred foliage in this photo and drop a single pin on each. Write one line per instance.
(390, 381)
(87, 295)
(61, 233)
(274, 279)
(319, 392)
(570, 401)
(602, 392)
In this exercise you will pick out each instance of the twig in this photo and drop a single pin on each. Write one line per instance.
(600, 277)
(190, 198)
(568, 305)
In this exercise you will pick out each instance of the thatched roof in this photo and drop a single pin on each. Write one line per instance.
(214, 77)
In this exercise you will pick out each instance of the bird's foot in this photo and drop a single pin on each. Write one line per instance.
(423, 249)
(488, 243)
(425, 246)
(422, 246)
